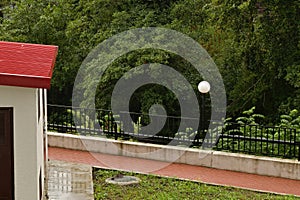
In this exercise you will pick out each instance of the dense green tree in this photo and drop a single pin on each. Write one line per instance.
(254, 43)
(259, 52)
(3, 5)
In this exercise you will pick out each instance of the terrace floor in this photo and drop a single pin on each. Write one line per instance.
(183, 171)
(68, 180)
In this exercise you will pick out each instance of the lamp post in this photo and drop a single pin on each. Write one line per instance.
(203, 87)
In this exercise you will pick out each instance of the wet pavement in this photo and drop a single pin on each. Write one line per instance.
(183, 171)
(69, 181)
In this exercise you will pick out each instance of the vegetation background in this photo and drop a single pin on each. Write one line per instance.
(255, 44)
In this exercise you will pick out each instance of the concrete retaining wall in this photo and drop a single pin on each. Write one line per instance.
(220, 160)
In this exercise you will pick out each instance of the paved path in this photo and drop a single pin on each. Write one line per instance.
(196, 173)
(69, 181)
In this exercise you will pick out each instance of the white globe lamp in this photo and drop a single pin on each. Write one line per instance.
(204, 87)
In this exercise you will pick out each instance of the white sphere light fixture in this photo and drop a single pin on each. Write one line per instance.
(204, 87)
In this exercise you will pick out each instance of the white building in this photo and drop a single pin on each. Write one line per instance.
(25, 74)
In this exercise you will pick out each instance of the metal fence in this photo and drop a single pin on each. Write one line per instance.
(233, 137)
(260, 140)
(99, 122)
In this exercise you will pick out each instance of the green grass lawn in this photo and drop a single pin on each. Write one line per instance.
(154, 187)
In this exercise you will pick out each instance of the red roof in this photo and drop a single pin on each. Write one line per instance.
(26, 65)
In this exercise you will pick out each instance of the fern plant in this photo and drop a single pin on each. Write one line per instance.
(292, 120)
(186, 136)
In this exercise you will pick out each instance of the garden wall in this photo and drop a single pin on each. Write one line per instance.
(277, 167)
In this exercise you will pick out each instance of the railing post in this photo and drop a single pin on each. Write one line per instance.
(115, 130)
(299, 151)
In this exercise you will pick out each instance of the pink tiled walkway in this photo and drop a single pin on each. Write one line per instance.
(202, 174)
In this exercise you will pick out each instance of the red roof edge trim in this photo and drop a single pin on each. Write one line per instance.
(53, 62)
(25, 81)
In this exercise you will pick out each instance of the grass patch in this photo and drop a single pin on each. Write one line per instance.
(154, 187)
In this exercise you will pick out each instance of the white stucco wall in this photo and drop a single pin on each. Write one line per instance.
(28, 140)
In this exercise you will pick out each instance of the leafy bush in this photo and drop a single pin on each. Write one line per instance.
(246, 134)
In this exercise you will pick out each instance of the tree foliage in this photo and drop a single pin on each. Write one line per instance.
(254, 43)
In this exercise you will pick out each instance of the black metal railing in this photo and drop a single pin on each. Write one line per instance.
(233, 137)
(260, 140)
(99, 122)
